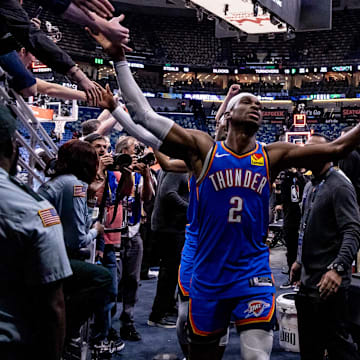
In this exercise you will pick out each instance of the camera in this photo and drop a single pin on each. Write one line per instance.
(120, 162)
(148, 159)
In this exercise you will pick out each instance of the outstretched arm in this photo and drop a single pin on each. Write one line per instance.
(58, 91)
(233, 91)
(173, 165)
(285, 155)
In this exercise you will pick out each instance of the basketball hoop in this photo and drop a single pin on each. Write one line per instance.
(59, 128)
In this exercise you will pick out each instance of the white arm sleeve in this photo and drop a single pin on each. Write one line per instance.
(136, 130)
(139, 107)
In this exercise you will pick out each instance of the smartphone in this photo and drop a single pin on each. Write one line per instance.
(38, 12)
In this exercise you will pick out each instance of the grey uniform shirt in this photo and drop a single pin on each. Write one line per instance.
(32, 253)
(68, 194)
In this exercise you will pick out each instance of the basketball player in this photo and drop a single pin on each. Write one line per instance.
(231, 272)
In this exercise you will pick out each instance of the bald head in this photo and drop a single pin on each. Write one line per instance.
(317, 139)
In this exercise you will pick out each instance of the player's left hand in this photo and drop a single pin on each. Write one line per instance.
(36, 22)
(329, 283)
(107, 99)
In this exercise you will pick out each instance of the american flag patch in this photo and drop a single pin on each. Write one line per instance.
(79, 191)
(49, 217)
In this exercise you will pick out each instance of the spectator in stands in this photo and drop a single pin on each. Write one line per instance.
(291, 190)
(15, 23)
(168, 221)
(75, 168)
(39, 170)
(33, 261)
(89, 126)
(328, 241)
(132, 245)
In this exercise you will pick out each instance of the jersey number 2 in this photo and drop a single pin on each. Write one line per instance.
(234, 216)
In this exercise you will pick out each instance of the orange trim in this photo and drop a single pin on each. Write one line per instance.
(195, 330)
(208, 167)
(267, 163)
(259, 320)
(184, 292)
(239, 156)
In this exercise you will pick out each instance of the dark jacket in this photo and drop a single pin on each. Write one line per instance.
(171, 203)
(332, 233)
(15, 21)
(351, 167)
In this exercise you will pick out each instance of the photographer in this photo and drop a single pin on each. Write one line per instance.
(104, 195)
(132, 245)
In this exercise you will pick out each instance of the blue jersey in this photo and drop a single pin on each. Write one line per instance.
(190, 245)
(232, 259)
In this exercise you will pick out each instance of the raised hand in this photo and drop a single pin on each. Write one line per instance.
(113, 31)
(115, 51)
(107, 99)
(103, 8)
(93, 94)
(36, 22)
(234, 90)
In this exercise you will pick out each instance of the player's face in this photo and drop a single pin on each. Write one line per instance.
(247, 110)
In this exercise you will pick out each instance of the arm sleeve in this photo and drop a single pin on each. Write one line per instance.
(141, 111)
(136, 130)
(347, 218)
(34, 40)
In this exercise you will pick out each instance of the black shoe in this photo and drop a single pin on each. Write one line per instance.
(286, 285)
(164, 322)
(128, 332)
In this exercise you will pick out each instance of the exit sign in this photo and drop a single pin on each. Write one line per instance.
(99, 61)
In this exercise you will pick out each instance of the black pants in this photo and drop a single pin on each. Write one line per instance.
(291, 236)
(149, 255)
(170, 246)
(87, 291)
(323, 325)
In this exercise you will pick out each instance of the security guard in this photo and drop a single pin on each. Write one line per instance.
(89, 289)
(33, 263)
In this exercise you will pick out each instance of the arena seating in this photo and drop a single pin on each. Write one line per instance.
(194, 42)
